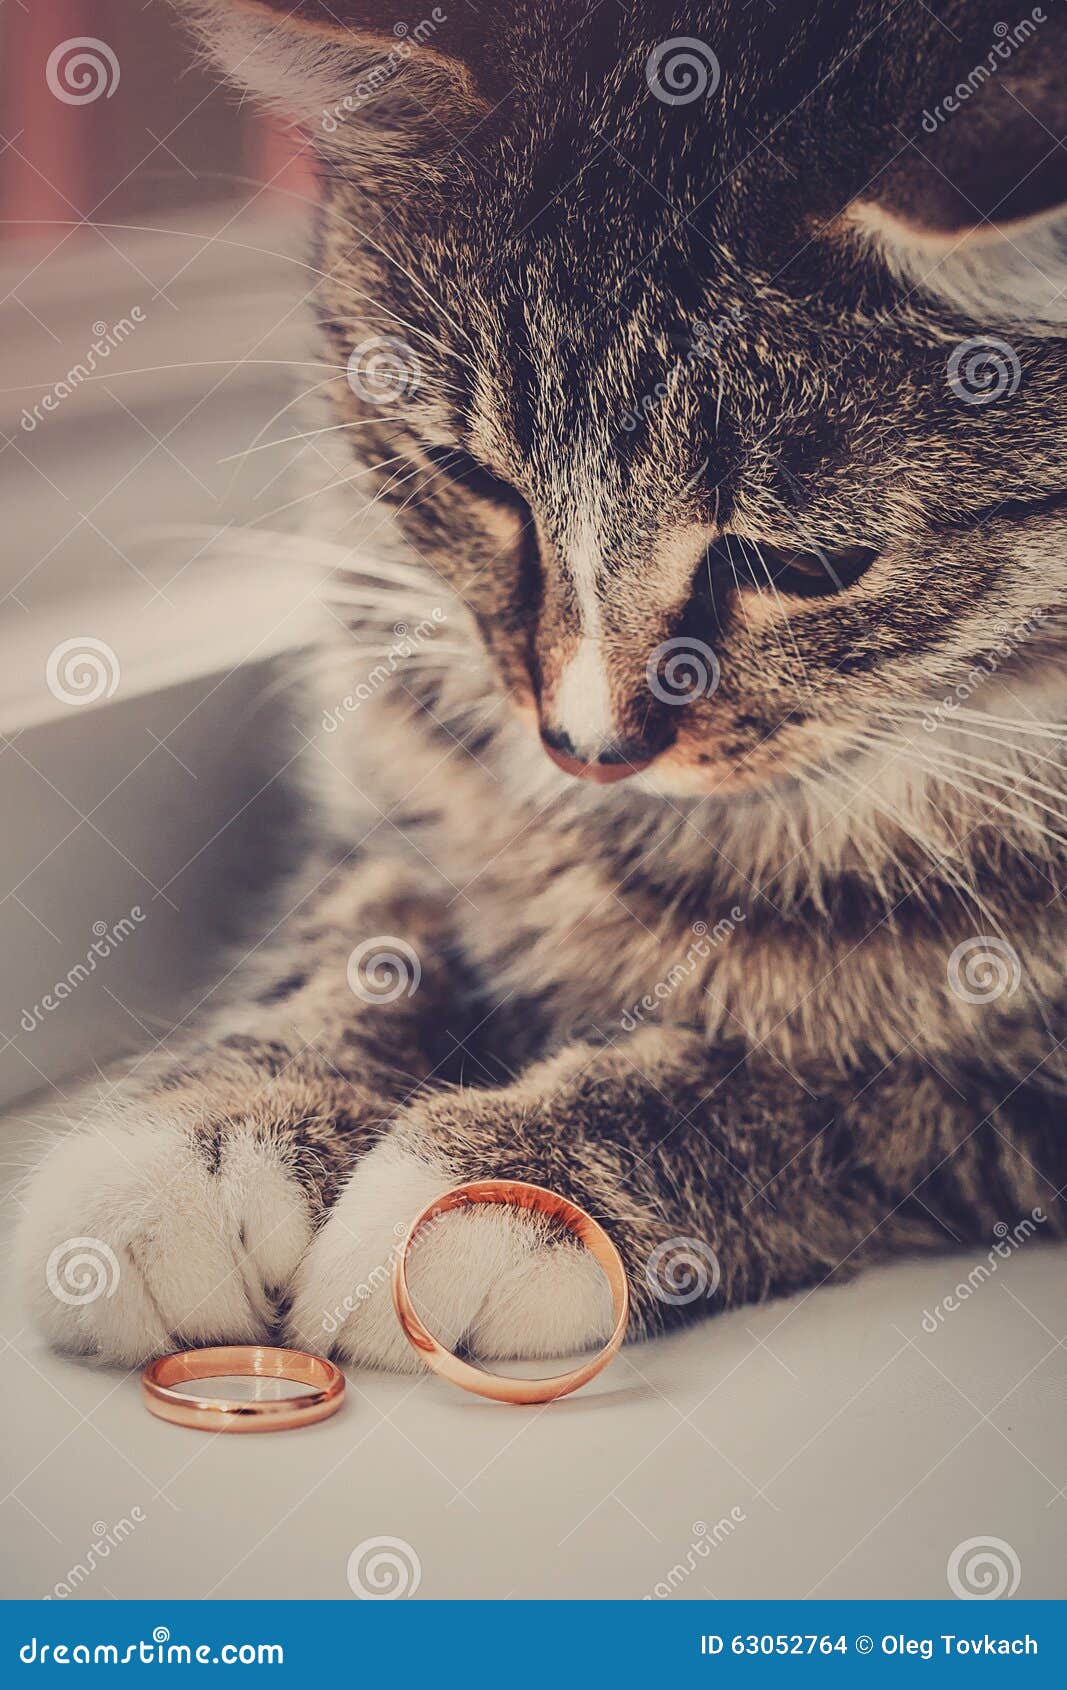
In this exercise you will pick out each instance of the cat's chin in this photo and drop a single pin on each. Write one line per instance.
(737, 785)
(664, 782)
(717, 778)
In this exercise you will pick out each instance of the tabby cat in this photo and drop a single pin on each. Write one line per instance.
(690, 803)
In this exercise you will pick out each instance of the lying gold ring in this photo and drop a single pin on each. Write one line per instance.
(229, 1414)
(517, 1194)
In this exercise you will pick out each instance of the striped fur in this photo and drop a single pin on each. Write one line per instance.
(667, 377)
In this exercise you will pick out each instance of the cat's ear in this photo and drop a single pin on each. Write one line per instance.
(348, 70)
(973, 209)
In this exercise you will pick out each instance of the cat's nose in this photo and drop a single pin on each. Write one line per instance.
(617, 761)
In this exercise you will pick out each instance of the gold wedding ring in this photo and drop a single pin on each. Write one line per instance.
(228, 1414)
(516, 1194)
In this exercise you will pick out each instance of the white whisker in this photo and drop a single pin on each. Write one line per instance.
(309, 434)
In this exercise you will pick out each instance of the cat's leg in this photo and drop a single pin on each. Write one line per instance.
(180, 1206)
(721, 1182)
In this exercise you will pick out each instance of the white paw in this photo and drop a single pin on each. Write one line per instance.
(498, 1282)
(139, 1235)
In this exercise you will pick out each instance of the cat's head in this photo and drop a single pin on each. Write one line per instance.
(715, 355)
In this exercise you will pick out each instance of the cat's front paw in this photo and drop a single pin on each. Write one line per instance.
(141, 1236)
(493, 1281)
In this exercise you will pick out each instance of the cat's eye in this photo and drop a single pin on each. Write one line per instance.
(811, 573)
(458, 466)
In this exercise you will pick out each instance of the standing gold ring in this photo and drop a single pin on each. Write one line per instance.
(230, 1414)
(501, 1388)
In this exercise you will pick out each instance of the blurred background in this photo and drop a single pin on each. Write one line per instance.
(152, 320)
(145, 136)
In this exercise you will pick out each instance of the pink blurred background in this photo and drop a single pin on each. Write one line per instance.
(166, 141)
